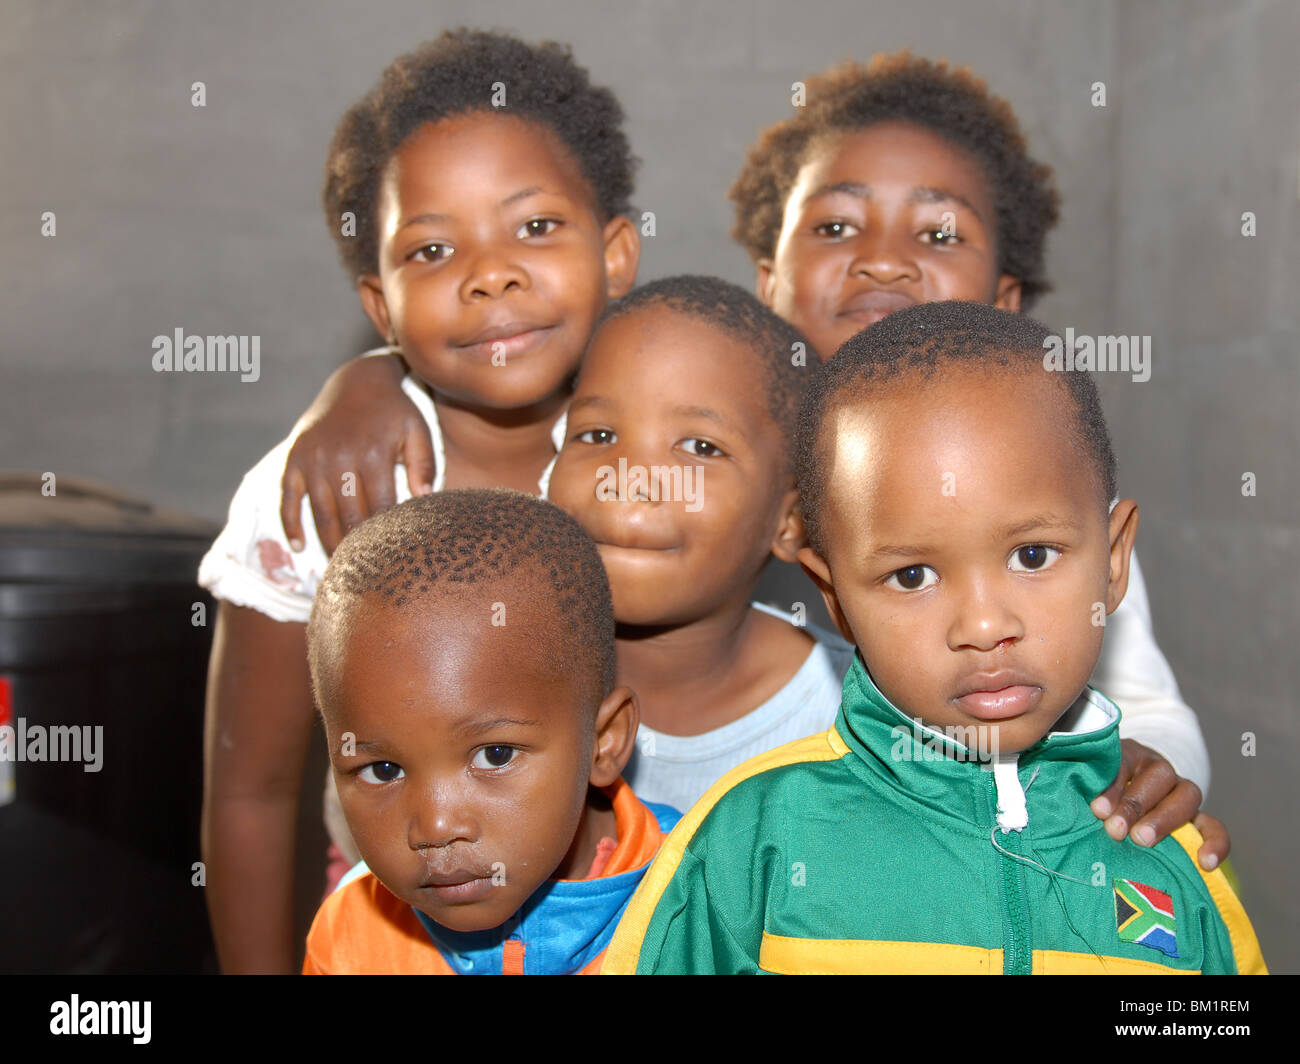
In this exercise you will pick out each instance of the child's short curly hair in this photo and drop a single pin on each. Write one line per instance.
(494, 542)
(954, 104)
(458, 73)
(915, 346)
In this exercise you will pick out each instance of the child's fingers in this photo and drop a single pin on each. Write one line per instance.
(1214, 850)
(1132, 756)
(324, 511)
(376, 476)
(1175, 809)
(293, 486)
(417, 452)
(1145, 780)
(353, 500)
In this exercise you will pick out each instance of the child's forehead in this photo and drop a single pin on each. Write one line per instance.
(660, 365)
(473, 632)
(897, 150)
(915, 401)
(484, 122)
(666, 342)
(421, 612)
(481, 141)
(957, 429)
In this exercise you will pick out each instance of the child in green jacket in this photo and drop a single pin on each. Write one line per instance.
(955, 494)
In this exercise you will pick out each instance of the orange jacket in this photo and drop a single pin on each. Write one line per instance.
(563, 928)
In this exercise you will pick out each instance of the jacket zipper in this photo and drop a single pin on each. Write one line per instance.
(1017, 956)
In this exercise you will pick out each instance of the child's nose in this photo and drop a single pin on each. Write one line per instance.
(982, 619)
(649, 471)
(490, 273)
(884, 254)
(439, 816)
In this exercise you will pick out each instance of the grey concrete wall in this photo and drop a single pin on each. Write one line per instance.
(208, 219)
(1206, 111)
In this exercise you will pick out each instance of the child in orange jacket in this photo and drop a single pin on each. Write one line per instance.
(462, 654)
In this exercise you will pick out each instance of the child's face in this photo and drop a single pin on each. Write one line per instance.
(877, 220)
(663, 389)
(968, 551)
(469, 775)
(493, 263)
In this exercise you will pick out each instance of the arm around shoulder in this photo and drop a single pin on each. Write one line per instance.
(360, 426)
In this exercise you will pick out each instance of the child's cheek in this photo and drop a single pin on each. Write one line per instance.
(1070, 632)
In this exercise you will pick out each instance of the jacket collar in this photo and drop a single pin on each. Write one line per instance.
(956, 779)
(566, 924)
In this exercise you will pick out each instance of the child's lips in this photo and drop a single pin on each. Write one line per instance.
(632, 527)
(507, 339)
(635, 536)
(638, 543)
(458, 887)
(999, 698)
(867, 308)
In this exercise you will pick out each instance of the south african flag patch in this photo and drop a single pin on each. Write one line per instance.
(1145, 916)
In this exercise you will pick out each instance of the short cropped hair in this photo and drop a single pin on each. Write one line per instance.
(955, 105)
(477, 540)
(921, 341)
(455, 74)
(778, 349)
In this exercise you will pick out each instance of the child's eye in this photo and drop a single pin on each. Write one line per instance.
(490, 757)
(836, 230)
(940, 236)
(1032, 558)
(381, 772)
(538, 227)
(431, 253)
(703, 448)
(912, 578)
(596, 436)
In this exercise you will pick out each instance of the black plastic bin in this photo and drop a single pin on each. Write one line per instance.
(97, 630)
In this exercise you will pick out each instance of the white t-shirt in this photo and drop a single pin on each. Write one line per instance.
(677, 769)
(250, 563)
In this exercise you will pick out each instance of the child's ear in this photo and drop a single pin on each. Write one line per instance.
(617, 720)
(764, 281)
(1008, 294)
(1123, 530)
(820, 574)
(622, 256)
(374, 304)
(790, 536)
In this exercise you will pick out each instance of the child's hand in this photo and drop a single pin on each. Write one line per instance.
(360, 423)
(1149, 799)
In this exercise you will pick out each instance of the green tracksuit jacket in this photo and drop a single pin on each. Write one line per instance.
(876, 847)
